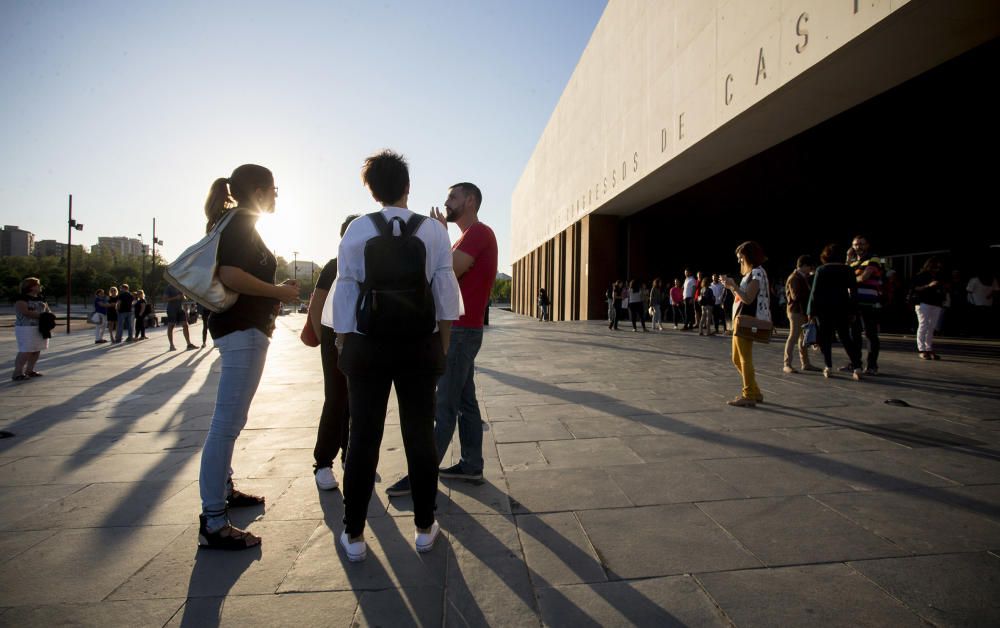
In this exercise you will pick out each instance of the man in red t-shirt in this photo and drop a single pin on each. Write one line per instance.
(475, 259)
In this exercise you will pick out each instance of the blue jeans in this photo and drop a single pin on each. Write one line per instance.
(124, 323)
(242, 354)
(456, 400)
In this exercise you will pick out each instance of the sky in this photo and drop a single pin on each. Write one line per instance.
(136, 107)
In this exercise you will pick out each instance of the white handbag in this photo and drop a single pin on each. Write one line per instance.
(196, 271)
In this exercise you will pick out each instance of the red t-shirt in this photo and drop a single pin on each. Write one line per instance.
(479, 242)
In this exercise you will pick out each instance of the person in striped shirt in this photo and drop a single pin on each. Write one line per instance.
(869, 271)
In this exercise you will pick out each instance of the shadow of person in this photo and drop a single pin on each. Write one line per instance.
(216, 571)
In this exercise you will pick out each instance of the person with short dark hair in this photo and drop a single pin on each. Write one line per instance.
(141, 311)
(797, 289)
(176, 316)
(28, 309)
(929, 290)
(125, 315)
(113, 313)
(543, 305)
(832, 304)
(635, 305)
(751, 296)
(380, 360)
(706, 302)
(869, 272)
(690, 288)
(677, 304)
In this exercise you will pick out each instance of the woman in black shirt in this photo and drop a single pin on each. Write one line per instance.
(929, 291)
(832, 304)
(242, 334)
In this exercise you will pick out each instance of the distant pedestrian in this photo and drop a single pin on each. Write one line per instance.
(656, 300)
(611, 296)
(929, 290)
(869, 271)
(141, 312)
(718, 313)
(28, 309)
(176, 315)
(112, 313)
(205, 314)
(543, 305)
(832, 305)
(100, 316)
(981, 289)
(706, 302)
(677, 313)
(242, 335)
(125, 313)
(751, 296)
(797, 289)
(690, 287)
(635, 305)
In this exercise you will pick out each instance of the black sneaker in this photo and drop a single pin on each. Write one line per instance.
(400, 488)
(456, 472)
(847, 368)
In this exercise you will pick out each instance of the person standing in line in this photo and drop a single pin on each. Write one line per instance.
(677, 304)
(929, 290)
(690, 287)
(242, 334)
(981, 289)
(28, 309)
(611, 296)
(797, 288)
(751, 297)
(475, 258)
(101, 312)
(335, 418)
(543, 305)
(177, 316)
(113, 313)
(718, 313)
(656, 304)
(406, 353)
(125, 317)
(832, 304)
(635, 305)
(141, 312)
(706, 301)
(869, 271)
(205, 314)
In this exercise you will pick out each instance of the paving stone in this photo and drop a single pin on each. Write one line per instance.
(412, 606)
(675, 601)
(488, 582)
(39, 470)
(671, 482)
(584, 453)
(837, 439)
(769, 477)
(660, 541)
(796, 530)
(21, 501)
(98, 615)
(12, 545)
(529, 431)
(949, 590)
(921, 521)
(521, 456)
(813, 595)
(558, 490)
(557, 550)
(49, 573)
(598, 427)
(291, 610)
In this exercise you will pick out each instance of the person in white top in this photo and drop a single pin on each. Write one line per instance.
(982, 288)
(690, 286)
(376, 361)
(719, 290)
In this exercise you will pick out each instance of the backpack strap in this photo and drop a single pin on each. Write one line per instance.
(413, 224)
(381, 224)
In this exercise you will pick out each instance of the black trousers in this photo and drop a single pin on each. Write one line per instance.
(635, 313)
(867, 323)
(334, 422)
(689, 313)
(140, 326)
(826, 326)
(613, 323)
(372, 367)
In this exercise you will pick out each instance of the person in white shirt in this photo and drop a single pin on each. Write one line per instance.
(374, 362)
(690, 286)
(719, 290)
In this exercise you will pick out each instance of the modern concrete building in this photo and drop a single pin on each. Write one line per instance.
(49, 248)
(690, 126)
(16, 242)
(121, 246)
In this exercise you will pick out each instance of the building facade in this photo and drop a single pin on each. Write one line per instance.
(16, 242)
(120, 246)
(689, 126)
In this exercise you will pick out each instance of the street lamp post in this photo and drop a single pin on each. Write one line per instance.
(72, 224)
(152, 268)
(142, 275)
(295, 265)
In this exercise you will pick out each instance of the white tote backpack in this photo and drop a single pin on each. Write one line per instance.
(196, 271)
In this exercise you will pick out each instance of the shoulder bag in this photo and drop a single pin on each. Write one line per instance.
(196, 271)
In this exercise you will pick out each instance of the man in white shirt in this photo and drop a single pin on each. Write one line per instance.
(690, 285)
(719, 290)
(373, 362)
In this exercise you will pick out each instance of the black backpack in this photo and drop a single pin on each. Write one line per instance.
(395, 299)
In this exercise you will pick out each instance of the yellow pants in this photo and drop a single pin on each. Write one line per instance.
(743, 360)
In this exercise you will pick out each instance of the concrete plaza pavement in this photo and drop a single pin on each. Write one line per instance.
(619, 489)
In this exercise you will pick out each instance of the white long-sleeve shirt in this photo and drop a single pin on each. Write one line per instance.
(339, 311)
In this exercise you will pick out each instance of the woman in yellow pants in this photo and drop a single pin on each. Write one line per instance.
(752, 298)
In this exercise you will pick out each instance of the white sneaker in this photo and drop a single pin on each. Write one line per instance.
(425, 540)
(325, 480)
(356, 552)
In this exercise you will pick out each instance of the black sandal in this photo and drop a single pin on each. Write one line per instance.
(34, 374)
(239, 499)
(228, 537)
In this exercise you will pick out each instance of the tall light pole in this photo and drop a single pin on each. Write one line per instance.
(72, 224)
(152, 267)
(295, 265)
(142, 276)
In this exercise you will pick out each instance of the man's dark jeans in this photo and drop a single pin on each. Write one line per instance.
(334, 422)
(689, 313)
(867, 323)
(372, 367)
(456, 400)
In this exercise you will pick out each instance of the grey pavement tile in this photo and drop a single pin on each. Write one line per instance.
(286, 463)
(521, 456)
(837, 439)
(982, 500)
(813, 595)
(496, 414)
(487, 497)
(288, 438)
(557, 550)
(555, 411)
(661, 541)
(20, 501)
(49, 573)
(529, 431)
(947, 590)
(690, 446)
(100, 505)
(587, 452)
(797, 530)
(12, 545)
(412, 606)
(488, 581)
(674, 601)
(86, 469)
(304, 500)
(98, 615)
(392, 561)
(924, 521)
(557, 490)
(772, 477)
(287, 610)
(672, 482)
(964, 466)
(598, 427)
(878, 470)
